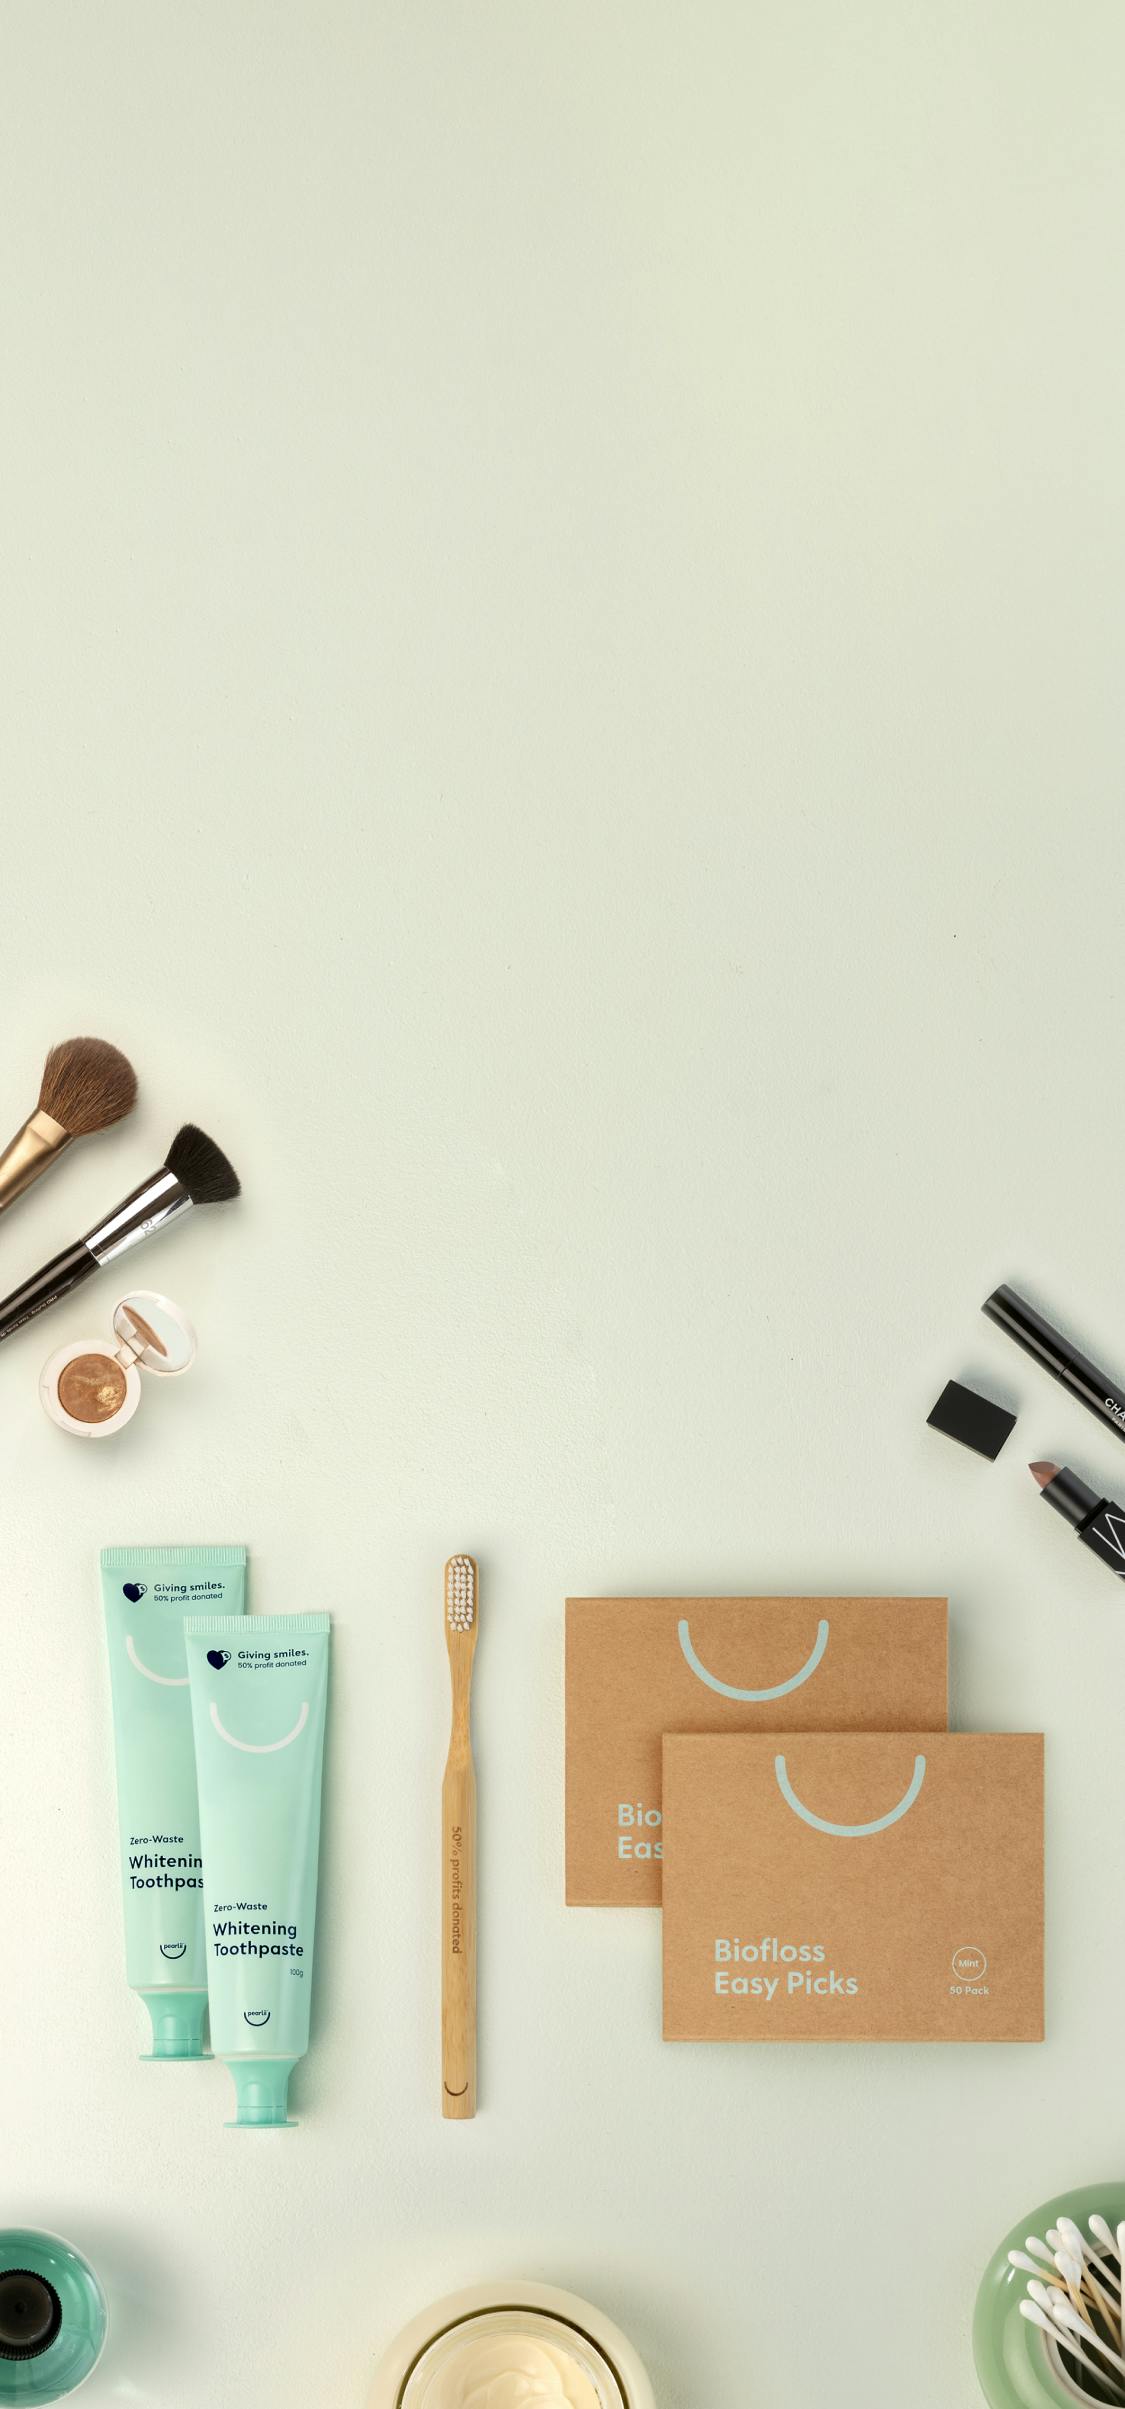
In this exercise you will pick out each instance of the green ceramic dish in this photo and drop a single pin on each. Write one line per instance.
(1014, 2361)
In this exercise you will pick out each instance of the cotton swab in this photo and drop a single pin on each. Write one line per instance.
(1075, 2242)
(1076, 2263)
(1073, 2347)
(1033, 2266)
(1103, 2233)
(1074, 2324)
(1074, 2295)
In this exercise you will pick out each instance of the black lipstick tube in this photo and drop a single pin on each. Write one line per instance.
(1100, 1523)
(1094, 1389)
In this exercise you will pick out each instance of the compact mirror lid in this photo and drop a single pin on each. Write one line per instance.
(158, 1335)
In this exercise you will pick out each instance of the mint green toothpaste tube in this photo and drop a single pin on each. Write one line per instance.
(259, 1694)
(147, 1592)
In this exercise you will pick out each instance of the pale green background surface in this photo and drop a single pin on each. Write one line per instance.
(562, 636)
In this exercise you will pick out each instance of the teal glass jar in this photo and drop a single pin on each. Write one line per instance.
(53, 2317)
(1018, 2367)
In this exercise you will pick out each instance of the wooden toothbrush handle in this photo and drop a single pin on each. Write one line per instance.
(459, 1942)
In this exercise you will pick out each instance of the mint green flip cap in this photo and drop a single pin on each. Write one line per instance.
(261, 2088)
(177, 2023)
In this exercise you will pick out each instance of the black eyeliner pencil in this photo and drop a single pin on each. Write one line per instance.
(1093, 1388)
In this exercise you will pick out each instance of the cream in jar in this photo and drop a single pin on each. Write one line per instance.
(508, 2371)
(514, 2345)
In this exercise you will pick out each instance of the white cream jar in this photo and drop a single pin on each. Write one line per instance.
(511, 2346)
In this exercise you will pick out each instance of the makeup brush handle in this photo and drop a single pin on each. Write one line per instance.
(459, 1941)
(44, 1288)
(36, 1145)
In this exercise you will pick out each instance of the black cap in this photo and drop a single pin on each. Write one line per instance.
(30, 2313)
(976, 1421)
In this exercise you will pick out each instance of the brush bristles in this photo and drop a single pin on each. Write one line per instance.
(87, 1085)
(461, 1593)
(201, 1167)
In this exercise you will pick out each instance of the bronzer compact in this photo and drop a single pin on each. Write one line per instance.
(93, 1388)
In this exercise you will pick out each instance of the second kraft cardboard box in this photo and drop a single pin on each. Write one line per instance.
(857, 1886)
(639, 1667)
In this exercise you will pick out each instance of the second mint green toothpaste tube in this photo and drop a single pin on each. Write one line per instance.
(147, 1592)
(259, 1697)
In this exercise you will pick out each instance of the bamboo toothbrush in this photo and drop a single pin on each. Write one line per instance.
(458, 1837)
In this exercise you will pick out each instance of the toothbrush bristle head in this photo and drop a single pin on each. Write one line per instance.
(461, 1593)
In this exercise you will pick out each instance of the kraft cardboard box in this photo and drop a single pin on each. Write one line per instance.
(638, 1667)
(855, 1887)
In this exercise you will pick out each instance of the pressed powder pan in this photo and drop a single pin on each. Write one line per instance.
(92, 1388)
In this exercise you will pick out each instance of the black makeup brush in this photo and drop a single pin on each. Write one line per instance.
(195, 1173)
(86, 1086)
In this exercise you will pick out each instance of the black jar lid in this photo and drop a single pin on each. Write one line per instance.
(30, 2313)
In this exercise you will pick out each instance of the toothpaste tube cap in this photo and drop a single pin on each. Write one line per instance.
(177, 2023)
(261, 2087)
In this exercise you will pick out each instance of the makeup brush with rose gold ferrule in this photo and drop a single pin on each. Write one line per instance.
(458, 1852)
(86, 1086)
